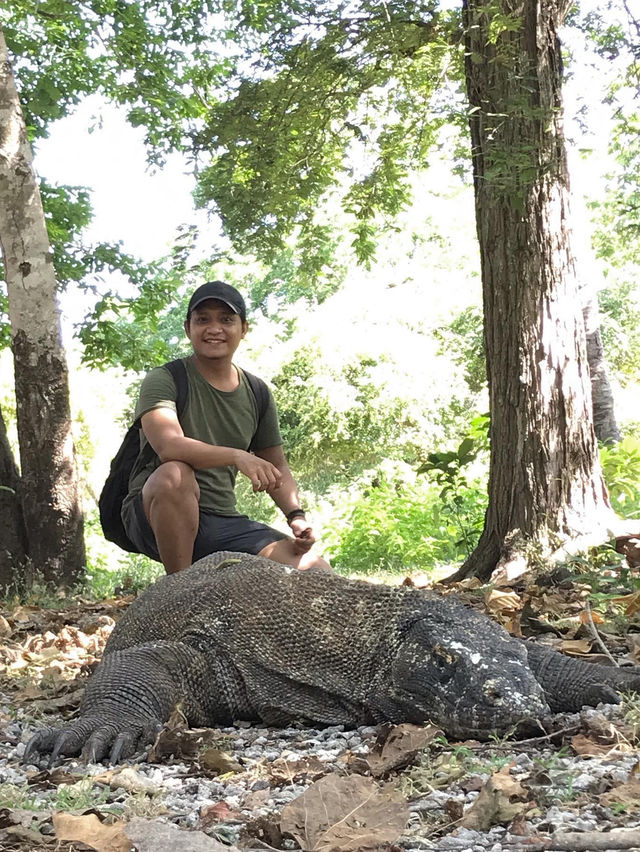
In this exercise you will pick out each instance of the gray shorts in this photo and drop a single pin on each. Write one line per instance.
(215, 532)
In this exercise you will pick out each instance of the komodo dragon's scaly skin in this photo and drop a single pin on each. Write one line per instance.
(239, 637)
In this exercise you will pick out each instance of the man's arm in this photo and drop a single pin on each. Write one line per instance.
(164, 432)
(286, 497)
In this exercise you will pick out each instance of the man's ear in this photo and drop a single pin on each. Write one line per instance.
(245, 328)
(186, 329)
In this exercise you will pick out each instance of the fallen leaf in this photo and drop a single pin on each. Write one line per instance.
(213, 814)
(216, 762)
(128, 779)
(70, 701)
(629, 546)
(152, 836)
(52, 778)
(498, 602)
(256, 799)
(345, 813)
(28, 835)
(418, 581)
(586, 747)
(89, 830)
(627, 794)
(631, 603)
(288, 769)
(576, 647)
(399, 748)
(261, 832)
(178, 739)
(470, 583)
(587, 617)
(499, 801)
(24, 613)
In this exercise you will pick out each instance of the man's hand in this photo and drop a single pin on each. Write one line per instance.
(264, 476)
(303, 537)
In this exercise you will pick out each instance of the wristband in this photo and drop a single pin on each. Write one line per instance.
(295, 513)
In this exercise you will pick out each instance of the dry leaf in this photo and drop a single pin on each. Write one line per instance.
(24, 613)
(52, 778)
(586, 617)
(576, 647)
(213, 814)
(28, 835)
(631, 603)
(128, 779)
(286, 770)
(345, 813)
(256, 799)
(627, 794)
(586, 747)
(500, 801)
(497, 601)
(629, 546)
(70, 701)
(399, 748)
(469, 584)
(633, 641)
(420, 580)
(89, 830)
(216, 762)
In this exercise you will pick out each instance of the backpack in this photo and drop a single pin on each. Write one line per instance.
(116, 486)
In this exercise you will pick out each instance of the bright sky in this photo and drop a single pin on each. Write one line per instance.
(131, 204)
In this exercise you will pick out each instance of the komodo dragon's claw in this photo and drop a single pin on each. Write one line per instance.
(41, 742)
(93, 742)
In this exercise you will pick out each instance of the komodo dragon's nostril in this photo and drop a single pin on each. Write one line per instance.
(493, 693)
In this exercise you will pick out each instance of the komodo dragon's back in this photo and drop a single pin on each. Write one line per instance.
(241, 637)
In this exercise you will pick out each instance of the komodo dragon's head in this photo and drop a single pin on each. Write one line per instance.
(465, 674)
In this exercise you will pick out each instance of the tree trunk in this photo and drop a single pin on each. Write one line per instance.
(49, 483)
(545, 483)
(13, 542)
(604, 416)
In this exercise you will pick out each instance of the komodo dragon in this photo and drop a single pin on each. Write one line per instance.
(240, 637)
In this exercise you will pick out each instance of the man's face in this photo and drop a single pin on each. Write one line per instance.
(214, 330)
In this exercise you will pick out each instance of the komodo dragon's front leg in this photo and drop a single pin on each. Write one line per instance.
(128, 699)
(569, 684)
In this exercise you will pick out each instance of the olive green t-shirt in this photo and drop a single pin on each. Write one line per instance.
(222, 418)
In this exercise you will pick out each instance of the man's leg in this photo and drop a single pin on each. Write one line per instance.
(170, 501)
(285, 551)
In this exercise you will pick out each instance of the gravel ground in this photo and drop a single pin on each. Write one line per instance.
(259, 771)
(243, 786)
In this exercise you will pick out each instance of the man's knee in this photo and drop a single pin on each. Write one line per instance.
(173, 480)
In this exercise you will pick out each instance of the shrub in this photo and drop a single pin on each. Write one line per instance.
(621, 469)
(403, 527)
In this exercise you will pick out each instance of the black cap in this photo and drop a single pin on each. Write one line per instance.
(221, 291)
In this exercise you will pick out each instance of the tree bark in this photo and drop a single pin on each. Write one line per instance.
(49, 490)
(545, 483)
(604, 415)
(13, 541)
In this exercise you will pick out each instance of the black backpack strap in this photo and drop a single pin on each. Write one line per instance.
(178, 370)
(261, 393)
(179, 374)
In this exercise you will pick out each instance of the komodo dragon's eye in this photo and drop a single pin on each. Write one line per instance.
(444, 663)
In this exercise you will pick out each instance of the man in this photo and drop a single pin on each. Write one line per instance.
(181, 505)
